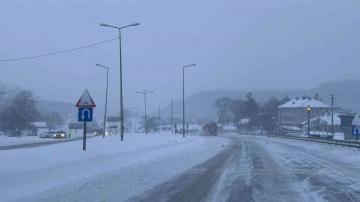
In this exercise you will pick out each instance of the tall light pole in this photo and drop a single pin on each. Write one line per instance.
(273, 125)
(144, 93)
(135, 120)
(172, 117)
(309, 111)
(183, 78)
(160, 116)
(106, 94)
(121, 88)
(332, 114)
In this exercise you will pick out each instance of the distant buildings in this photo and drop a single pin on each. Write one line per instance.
(41, 127)
(113, 124)
(293, 114)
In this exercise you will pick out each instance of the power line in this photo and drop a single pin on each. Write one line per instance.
(59, 52)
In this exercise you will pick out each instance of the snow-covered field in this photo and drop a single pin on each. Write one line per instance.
(61, 172)
(6, 141)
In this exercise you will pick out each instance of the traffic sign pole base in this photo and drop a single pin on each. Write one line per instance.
(84, 137)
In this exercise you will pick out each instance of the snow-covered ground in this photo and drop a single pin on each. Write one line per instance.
(61, 172)
(6, 141)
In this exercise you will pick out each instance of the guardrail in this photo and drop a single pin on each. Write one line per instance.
(347, 143)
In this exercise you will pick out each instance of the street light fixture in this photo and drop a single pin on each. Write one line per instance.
(121, 88)
(144, 93)
(183, 78)
(309, 111)
(106, 94)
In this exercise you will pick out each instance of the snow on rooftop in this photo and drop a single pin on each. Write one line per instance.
(304, 103)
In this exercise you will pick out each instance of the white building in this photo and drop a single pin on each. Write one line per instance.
(294, 112)
(41, 127)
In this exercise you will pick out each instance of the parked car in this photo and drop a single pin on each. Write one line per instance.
(47, 135)
(53, 134)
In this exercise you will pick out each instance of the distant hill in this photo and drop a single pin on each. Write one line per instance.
(200, 105)
(63, 108)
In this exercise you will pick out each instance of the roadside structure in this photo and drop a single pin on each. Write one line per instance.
(293, 114)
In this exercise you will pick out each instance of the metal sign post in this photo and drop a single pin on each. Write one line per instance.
(85, 112)
(84, 136)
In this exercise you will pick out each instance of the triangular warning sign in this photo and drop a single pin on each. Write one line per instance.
(85, 100)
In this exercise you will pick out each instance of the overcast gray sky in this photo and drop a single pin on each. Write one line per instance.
(237, 44)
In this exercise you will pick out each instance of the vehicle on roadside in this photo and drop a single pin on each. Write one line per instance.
(59, 134)
(53, 134)
(210, 129)
(48, 134)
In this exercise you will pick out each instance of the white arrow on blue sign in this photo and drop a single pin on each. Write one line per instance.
(356, 130)
(85, 114)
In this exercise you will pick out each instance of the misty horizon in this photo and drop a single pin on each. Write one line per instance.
(237, 45)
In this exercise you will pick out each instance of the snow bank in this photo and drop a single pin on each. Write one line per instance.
(34, 171)
(7, 141)
(4, 140)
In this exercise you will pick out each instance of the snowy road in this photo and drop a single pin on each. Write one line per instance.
(266, 169)
(164, 168)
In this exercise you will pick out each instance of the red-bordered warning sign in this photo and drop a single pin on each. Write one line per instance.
(85, 100)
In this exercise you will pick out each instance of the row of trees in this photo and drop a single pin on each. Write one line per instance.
(233, 110)
(17, 111)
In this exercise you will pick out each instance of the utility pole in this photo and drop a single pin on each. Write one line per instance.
(135, 120)
(106, 95)
(183, 102)
(273, 125)
(144, 93)
(172, 117)
(332, 114)
(160, 116)
(183, 95)
(121, 78)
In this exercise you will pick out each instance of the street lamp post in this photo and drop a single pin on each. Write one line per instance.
(273, 124)
(121, 88)
(106, 95)
(309, 111)
(144, 93)
(160, 116)
(183, 94)
(136, 119)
